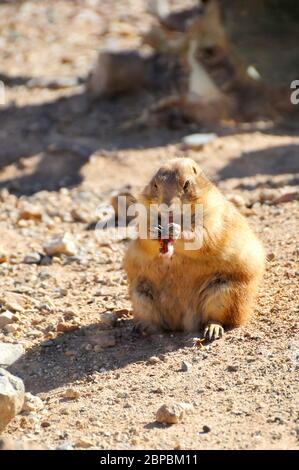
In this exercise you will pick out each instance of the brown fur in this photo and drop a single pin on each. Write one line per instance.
(216, 284)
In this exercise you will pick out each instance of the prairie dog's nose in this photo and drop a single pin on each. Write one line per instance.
(169, 195)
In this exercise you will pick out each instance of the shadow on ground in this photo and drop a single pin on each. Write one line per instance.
(46, 366)
(50, 142)
(63, 134)
(271, 161)
(15, 80)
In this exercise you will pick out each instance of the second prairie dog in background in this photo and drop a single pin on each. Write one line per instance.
(210, 287)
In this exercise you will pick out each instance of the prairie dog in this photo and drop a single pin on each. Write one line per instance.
(209, 287)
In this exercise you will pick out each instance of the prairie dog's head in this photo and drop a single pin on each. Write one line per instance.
(179, 181)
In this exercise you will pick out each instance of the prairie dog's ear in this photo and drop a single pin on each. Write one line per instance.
(190, 165)
(146, 191)
(150, 190)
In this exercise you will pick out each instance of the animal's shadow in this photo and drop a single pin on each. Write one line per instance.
(71, 356)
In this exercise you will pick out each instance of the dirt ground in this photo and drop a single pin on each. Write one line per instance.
(66, 154)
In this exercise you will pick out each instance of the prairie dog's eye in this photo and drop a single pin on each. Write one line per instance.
(155, 185)
(186, 185)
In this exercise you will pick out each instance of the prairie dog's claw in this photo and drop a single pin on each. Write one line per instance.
(155, 232)
(171, 231)
(174, 231)
(213, 331)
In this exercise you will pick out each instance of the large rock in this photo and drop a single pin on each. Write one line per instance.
(12, 393)
(10, 353)
(173, 413)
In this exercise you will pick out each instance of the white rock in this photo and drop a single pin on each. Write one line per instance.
(61, 244)
(32, 403)
(32, 258)
(65, 446)
(197, 141)
(186, 366)
(12, 393)
(6, 318)
(10, 353)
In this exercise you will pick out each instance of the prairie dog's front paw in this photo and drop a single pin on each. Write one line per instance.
(213, 331)
(155, 232)
(174, 231)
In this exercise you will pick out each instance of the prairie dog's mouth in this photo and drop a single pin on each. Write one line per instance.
(166, 248)
(166, 244)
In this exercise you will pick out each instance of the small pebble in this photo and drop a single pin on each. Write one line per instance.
(45, 424)
(6, 318)
(198, 141)
(83, 443)
(32, 258)
(172, 414)
(186, 366)
(65, 446)
(11, 328)
(206, 429)
(153, 360)
(29, 211)
(71, 393)
(32, 403)
(3, 258)
(232, 368)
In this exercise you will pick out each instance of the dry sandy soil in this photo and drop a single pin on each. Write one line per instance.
(66, 154)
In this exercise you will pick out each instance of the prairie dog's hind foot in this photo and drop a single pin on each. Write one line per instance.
(213, 330)
(144, 328)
